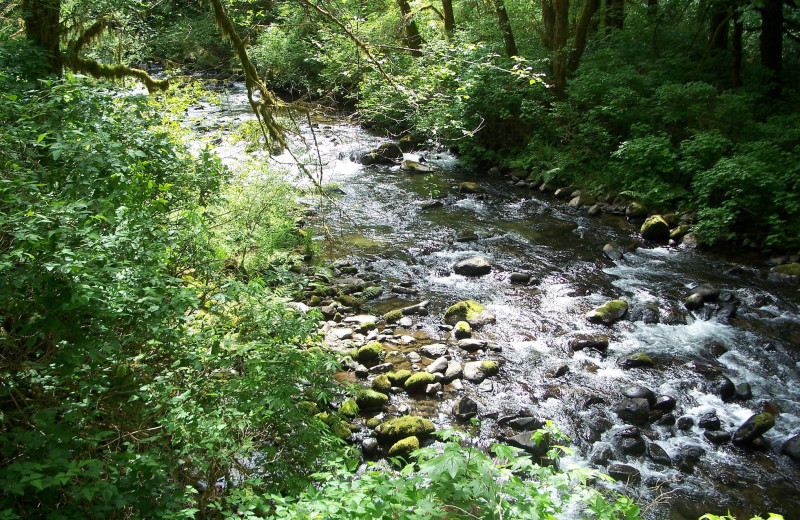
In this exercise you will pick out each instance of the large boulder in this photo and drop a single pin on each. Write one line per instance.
(785, 273)
(656, 229)
(753, 428)
(636, 210)
(634, 411)
(477, 371)
(475, 266)
(609, 313)
(470, 187)
(470, 311)
(418, 382)
(399, 428)
(387, 153)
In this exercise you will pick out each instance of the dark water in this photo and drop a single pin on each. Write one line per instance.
(379, 223)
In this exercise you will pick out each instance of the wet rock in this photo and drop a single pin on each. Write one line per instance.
(666, 420)
(581, 199)
(433, 388)
(665, 403)
(546, 188)
(636, 210)
(655, 229)
(709, 421)
(470, 187)
(462, 330)
(418, 382)
(648, 313)
(630, 444)
(420, 309)
(723, 387)
(382, 384)
(562, 193)
(715, 348)
(399, 428)
(477, 371)
(685, 423)
(717, 437)
(361, 371)
(404, 447)
(435, 351)
(387, 153)
(613, 252)
(595, 399)
(633, 411)
(785, 273)
(341, 333)
(470, 311)
(526, 423)
(640, 392)
(693, 302)
(597, 342)
(744, 392)
(370, 399)
(486, 387)
(595, 210)
(557, 371)
(439, 365)
(414, 167)
(528, 442)
(601, 454)
(471, 345)
(688, 457)
(658, 455)
(708, 292)
(791, 448)
(414, 357)
(475, 266)
(609, 313)
(753, 428)
(520, 278)
(624, 473)
(636, 360)
(453, 371)
(369, 445)
(465, 409)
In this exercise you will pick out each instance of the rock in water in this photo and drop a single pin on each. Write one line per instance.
(465, 409)
(477, 371)
(470, 187)
(624, 473)
(634, 411)
(399, 428)
(655, 229)
(753, 428)
(609, 313)
(475, 266)
(612, 252)
(470, 311)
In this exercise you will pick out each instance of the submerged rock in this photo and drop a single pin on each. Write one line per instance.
(609, 313)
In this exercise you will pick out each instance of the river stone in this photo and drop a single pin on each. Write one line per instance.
(475, 266)
(462, 330)
(369, 352)
(453, 371)
(597, 342)
(693, 302)
(470, 187)
(418, 382)
(665, 403)
(753, 428)
(708, 292)
(633, 411)
(679, 232)
(624, 473)
(527, 442)
(369, 445)
(601, 454)
(439, 365)
(785, 273)
(640, 392)
(685, 423)
(609, 313)
(658, 455)
(648, 313)
(791, 448)
(435, 351)
(636, 210)
(526, 423)
(370, 399)
(655, 229)
(387, 153)
(583, 199)
(382, 384)
(477, 371)
(433, 388)
(470, 311)
(595, 210)
(709, 420)
(556, 371)
(520, 278)
(688, 457)
(341, 333)
(612, 252)
(414, 167)
(717, 437)
(546, 188)
(404, 447)
(636, 360)
(471, 345)
(465, 409)
(744, 392)
(630, 442)
(401, 427)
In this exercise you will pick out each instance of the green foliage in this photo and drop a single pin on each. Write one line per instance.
(709, 516)
(455, 481)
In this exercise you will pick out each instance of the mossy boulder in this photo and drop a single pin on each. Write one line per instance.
(636, 210)
(753, 428)
(399, 428)
(462, 330)
(636, 360)
(680, 231)
(308, 407)
(349, 301)
(373, 423)
(349, 408)
(399, 377)
(477, 371)
(609, 313)
(785, 273)
(470, 187)
(470, 311)
(370, 399)
(393, 316)
(656, 229)
(382, 384)
(418, 382)
(404, 447)
(370, 352)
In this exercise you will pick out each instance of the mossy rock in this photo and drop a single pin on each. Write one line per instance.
(349, 301)
(369, 352)
(470, 311)
(373, 423)
(399, 428)
(470, 187)
(393, 316)
(680, 231)
(315, 301)
(609, 313)
(349, 408)
(462, 330)
(753, 428)
(370, 399)
(656, 229)
(404, 447)
(399, 377)
(418, 382)
(636, 360)
(490, 368)
(790, 269)
(382, 384)
(308, 407)
(636, 210)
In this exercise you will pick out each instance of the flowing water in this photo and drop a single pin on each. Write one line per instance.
(382, 223)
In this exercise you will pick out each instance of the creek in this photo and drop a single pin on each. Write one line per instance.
(382, 225)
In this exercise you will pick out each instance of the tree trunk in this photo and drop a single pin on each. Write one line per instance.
(652, 8)
(505, 28)
(413, 38)
(549, 22)
(718, 27)
(449, 19)
(615, 14)
(582, 32)
(560, 33)
(772, 37)
(738, 29)
(42, 20)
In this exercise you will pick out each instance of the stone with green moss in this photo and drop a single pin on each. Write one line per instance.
(370, 399)
(382, 384)
(404, 447)
(315, 301)
(462, 330)
(349, 408)
(370, 352)
(636, 360)
(609, 313)
(656, 229)
(341, 429)
(373, 423)
(680, 231)
(349, 301)
(753, 428)
(393, 316)
(399, 428)
(308, 407)
(636, 210)
(489, 368)
(470, 187)
(418, 382)
(785, 273)
(475, 314)
(399, 377)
